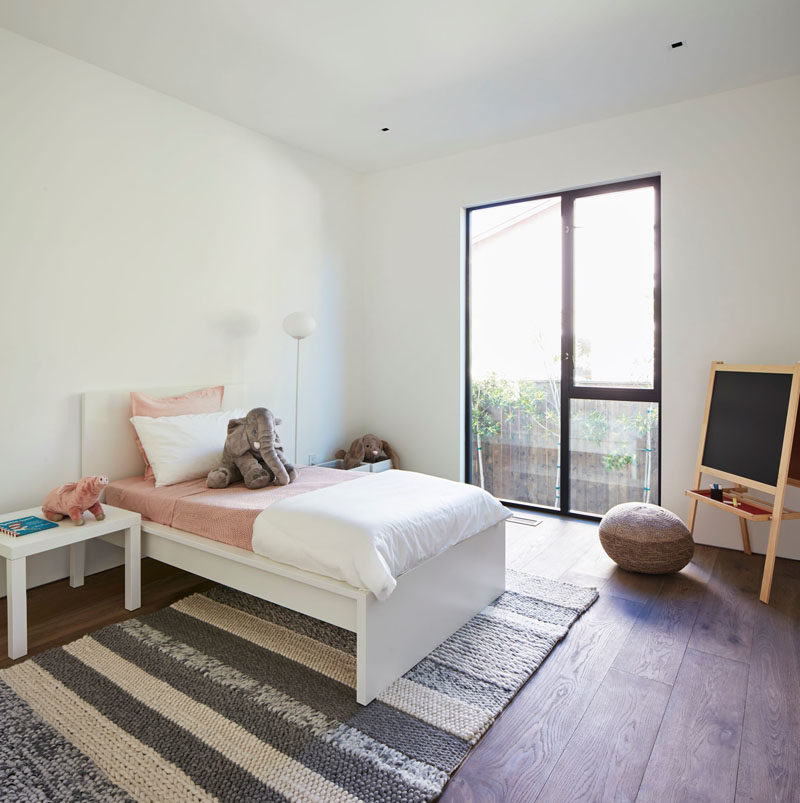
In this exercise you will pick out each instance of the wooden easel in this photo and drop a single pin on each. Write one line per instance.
(783, 452)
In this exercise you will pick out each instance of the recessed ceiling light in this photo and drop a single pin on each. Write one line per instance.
(676, 44)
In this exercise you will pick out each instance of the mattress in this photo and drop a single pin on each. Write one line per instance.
(222, 514)
(369, 533)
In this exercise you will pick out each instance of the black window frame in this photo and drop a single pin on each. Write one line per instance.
(569, 390)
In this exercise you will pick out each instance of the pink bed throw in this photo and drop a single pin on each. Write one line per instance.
(223, 514)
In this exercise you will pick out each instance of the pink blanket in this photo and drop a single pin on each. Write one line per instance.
(224, 514)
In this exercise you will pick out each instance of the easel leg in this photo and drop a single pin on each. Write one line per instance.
(745, 536)
(769, 564)
(692, 512)
(698, 476)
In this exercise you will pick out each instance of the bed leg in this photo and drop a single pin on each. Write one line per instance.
(366, 690)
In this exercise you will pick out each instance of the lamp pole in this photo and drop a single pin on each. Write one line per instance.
(298, 325)
(296, 397)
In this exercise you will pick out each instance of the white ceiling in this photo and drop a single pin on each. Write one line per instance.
(443, 75)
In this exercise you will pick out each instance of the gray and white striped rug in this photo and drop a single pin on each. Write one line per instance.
(225, 697)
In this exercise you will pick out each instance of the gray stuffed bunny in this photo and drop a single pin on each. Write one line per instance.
(253, 452)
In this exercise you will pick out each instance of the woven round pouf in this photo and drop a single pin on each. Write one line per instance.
(646, 538)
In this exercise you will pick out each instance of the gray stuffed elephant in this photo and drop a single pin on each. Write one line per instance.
(253, 452)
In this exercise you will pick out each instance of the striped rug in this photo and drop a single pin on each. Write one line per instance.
(225, 697)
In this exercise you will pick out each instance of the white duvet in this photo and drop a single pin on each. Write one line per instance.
(369, 531)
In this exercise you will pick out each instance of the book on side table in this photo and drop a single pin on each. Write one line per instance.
(25, 525)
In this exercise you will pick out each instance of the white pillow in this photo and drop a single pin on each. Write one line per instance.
(184, 447)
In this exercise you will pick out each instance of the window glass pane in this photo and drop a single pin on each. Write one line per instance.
(614, 259)
(613, 454)
(515, 342)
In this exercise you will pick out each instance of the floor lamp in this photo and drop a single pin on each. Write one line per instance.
(298, 325)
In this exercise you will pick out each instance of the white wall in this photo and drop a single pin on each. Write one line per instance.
(134, 232)
(730, 167)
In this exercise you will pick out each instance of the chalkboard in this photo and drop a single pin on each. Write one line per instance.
(746, 424)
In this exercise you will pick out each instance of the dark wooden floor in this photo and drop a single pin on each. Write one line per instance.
(680, 688)
(58, 614)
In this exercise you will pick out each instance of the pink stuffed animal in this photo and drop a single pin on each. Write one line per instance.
(75, 497)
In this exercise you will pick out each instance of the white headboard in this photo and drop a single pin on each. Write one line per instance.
(107, 444)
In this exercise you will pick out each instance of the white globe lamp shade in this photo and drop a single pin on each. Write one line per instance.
(299, 325)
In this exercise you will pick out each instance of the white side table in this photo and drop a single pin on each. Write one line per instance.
(16, 549)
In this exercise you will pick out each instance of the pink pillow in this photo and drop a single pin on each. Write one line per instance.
(205, 400)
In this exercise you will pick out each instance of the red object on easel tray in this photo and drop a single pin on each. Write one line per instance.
(752, 509)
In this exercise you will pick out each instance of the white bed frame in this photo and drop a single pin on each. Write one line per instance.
(429, 603)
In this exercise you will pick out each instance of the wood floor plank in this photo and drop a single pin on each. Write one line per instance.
(702, 563)
(633, 585)
(787, 568)
(585, 580)
(607, 756)
(769, 768)
(523, 542)
(630, 585)
(514, 759)
(58, 614)
(567, 546)
(594, 560)
(724, 624)
(516, 538)
(696, 753)
(656, 645)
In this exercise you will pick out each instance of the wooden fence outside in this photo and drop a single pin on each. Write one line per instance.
(521, 464)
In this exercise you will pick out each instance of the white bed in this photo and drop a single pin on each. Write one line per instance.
(429, 603)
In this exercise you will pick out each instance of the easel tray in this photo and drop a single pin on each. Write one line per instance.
(749, 509)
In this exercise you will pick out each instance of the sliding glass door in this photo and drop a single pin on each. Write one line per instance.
(563, 348)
